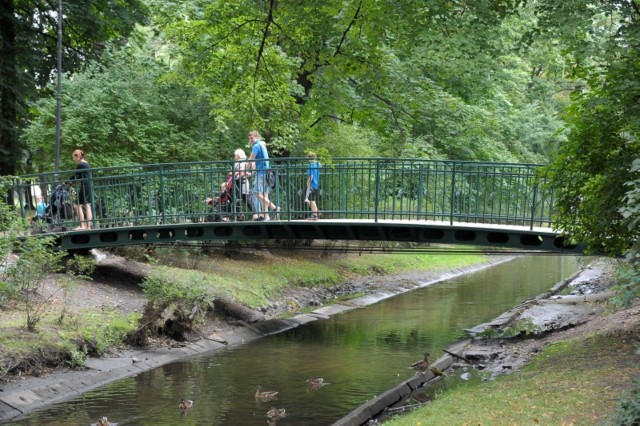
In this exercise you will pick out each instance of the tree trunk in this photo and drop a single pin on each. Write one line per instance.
(9, 148)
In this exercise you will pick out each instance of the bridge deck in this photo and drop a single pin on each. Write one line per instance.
(491, 235)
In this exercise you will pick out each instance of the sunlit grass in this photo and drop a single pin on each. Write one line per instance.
(255, 281)
(396, 263)
(575, 382)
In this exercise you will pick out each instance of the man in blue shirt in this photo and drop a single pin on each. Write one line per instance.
(259, 161)
(313, 183)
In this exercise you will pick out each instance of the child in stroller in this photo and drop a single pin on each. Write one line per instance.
(59, 208)
(227, 205)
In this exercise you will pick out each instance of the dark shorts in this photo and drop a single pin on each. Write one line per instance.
(312, 194)
(84, 196)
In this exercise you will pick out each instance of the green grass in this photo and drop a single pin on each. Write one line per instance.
(576, 382)
(255, 281)
(397, 263)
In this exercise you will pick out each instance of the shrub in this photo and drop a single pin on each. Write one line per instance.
(177, 304)
(628, 412)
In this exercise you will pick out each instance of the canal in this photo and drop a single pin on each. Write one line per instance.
(360, 353)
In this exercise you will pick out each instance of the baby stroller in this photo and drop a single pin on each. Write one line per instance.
(60, 207)
(226, 203)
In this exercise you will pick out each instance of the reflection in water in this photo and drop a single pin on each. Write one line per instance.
(358, 355)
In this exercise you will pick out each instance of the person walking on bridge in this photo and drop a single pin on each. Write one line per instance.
(259, 161)
(313, 184)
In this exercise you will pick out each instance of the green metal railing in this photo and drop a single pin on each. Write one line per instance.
(351, 189)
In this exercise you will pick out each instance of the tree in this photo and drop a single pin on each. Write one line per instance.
(28, 46)
(594, 172)
(121, 111)
(393, 68)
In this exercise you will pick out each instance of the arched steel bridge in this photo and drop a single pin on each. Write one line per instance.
(501, 205)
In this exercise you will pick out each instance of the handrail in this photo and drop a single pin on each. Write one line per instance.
(351, 188)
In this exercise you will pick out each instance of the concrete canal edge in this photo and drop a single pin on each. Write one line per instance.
(35, 393)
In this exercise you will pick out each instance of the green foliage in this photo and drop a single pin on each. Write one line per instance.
(29, 54)
(27, 263)
(628, 411)
(594, 169)
(121, 112)
(628, 286)
(394, 263)
(190, 288)
(106, 330)
(521, 327)
(77, 358)
(409, 80)
(27, 276)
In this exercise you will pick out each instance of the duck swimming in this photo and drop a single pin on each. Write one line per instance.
(266, 395)
(316, 382)
(185, 404)
(103, 422)
(276, 413)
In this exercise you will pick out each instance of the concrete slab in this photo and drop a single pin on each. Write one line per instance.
(110, 363)
(333, 309)
(23, 401)
(55, 392)
(274, 326)
(369, 299)
(303, 319)
(83, 383)
(7, 412)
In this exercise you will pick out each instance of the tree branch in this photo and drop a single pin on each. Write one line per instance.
(264, 37)
(227, 35)
(329, 116)
(346, 31)
(392, 106)
(635, 7)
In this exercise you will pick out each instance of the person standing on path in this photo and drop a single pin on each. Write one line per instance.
(313, 184)
(83, 206)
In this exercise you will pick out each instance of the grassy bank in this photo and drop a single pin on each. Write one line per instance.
(575, 382)
(254, 280)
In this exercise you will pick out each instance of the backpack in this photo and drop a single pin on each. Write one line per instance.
(271, 178)
(271, 174)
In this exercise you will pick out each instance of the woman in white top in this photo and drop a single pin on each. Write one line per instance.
(241, 174)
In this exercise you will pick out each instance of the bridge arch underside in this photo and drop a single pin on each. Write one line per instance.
(495, 237)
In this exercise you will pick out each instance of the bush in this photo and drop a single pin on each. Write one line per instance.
(628, 412)
(628, 285)
(177, 304)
